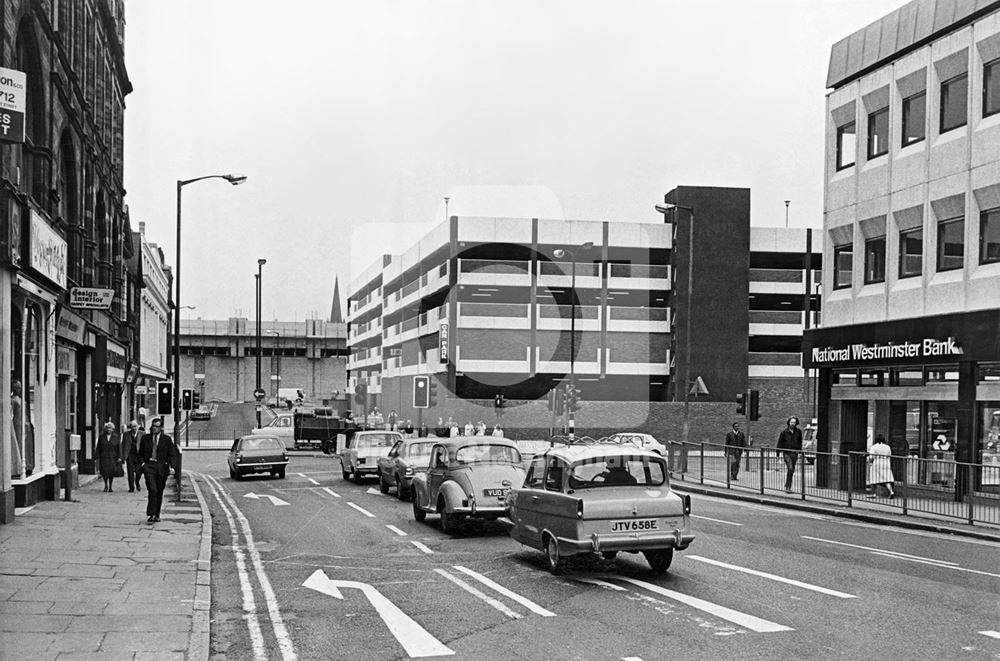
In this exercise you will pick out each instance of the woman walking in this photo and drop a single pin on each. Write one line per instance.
(879, 467)
(109, 456)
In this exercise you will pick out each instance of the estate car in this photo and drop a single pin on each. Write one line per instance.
(257, 454)
(407, 457)
(600, 497)
(360, 456)
(468, 477)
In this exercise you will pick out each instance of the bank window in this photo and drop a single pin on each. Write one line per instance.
(873, 377)
(989, 442)
(991, 88)
(911, 252)
(951, 244)
(989, 373)
(942, 374)
(845, 377)
(843, 258)
(989, 235)
(847, 144)
(914, 118)
(906, 377)
(878, 133)
(954, 102)
(875, 260)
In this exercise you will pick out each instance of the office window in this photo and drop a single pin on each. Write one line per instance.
(875, 260)
(954, 102)
(914, 118)
(951, 244)
(989, 236)
(843, 257)
(878, 133)
(991, 88)
(847, 140)
(911, 252)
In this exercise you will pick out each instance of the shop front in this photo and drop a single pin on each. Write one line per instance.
(929, 385)
(108, 376)
(71, 333)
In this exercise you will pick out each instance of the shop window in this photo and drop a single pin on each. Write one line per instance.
(878, 133)
(989, 373)
(951, 244)
(873, 377)
(845, 377)
(911, 252)
(914, 118)
(847, 144)
(989, 443)
(906, 377)
(942, 373)
(991, 88)
(843, 258)
(954, 102)
(989, 234)
(875, 260)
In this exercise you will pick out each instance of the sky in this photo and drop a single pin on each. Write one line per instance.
(353, 120)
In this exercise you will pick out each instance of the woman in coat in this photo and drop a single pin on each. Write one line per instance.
(108, 454)
(879, 468)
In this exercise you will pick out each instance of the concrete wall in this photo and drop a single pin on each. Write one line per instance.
(234, 379)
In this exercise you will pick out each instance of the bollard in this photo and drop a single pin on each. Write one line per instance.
(178, 473)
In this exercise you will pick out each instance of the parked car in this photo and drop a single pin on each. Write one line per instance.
(468, 477)
(407, 457)
(360, 456)
(600, 498)
(257, 454)
(281, 427)
(201, 413)
(644, 441)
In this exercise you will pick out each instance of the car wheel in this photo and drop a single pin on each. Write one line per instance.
(344, 472)
(418, 513)
(281, 473)
(326, 447)
(383, 486)
(237, 475)
(232, 473)
(552, 557)
(659, 560)
(356, 478)
(400, 491)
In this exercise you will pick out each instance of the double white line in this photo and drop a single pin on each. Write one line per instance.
(236, 519)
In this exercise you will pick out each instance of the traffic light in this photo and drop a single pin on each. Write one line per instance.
(165, 398)
(498, 401)
(432, 384)
(741, 403)
(421, 392)
(195, 399)
(572, 398)
(361, 394)
(754, 405)
(186, 399)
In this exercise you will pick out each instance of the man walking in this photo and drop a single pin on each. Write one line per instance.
(790, 443)
(130, 452)
(735, 442)
(157, 453)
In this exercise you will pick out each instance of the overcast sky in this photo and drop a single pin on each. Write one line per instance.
(354, 119)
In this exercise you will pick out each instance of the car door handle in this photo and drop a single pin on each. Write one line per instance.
(534, 497)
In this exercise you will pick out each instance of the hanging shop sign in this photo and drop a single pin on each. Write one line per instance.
(10, 240)
(90, 298)
(70, 326)
(47, 250)
(110, 361)
(13, 85)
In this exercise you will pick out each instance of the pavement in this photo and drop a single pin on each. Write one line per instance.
(90, 579)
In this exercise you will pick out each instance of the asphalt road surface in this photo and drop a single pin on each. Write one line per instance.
(315, 567)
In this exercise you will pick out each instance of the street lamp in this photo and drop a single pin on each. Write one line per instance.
(259, 275)
(685, 435)
(235, 180)
(559, 253)
(276, 361)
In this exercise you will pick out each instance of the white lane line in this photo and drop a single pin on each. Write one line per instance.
(773, 577)
(277, 623)
(396, 530)
(249, 604)
(877, 550)
(331, 492)
(422, 547)
(477, 593)
(603, 584)
(708, 518)
(524, 601)
(631, 658)
(934, 563)
(991, 634)
(311, 480)
(303, 475)
(751, 622)
(361, 509)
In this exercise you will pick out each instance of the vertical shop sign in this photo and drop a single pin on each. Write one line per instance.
(47, 250)
(10, 241)
(12, 105)
(443, 341)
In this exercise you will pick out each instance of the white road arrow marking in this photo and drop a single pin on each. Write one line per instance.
(274, 499)
(414, 638)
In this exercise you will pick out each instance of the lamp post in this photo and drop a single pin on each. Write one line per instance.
(275, 360)
(559, 253)
(235, 180)
(686, 433)
(259, 275)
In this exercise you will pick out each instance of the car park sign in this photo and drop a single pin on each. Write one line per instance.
(12, 105)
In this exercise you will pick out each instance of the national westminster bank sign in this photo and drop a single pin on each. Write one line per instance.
(858, 353)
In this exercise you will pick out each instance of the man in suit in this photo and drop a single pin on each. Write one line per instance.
(157, 453)
(130, 453)
(736, 440)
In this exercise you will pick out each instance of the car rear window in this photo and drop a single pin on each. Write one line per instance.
(487, 453)
(377, 440)
(261, 444)
(420, 449)
(617, 470)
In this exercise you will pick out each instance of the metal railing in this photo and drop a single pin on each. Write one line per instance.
(938, 487)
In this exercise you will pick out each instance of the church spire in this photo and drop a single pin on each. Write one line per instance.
(336, 316)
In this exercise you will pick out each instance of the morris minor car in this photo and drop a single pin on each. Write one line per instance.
(407, 457)
(469, 477)
(600, 497)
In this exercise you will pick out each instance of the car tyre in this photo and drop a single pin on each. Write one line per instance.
(400, 491)
(383, 486)
(237, 475)
(554, 561)
(344, 472)
(659, 559)
(356, 478)
(281, 473)
(418, 514)
(232, 473)
(449, 521)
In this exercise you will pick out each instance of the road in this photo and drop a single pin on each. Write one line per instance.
(342, 571)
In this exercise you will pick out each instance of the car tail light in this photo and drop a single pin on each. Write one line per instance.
(239, 457)
(408, 472)
(284, 457)
(579, 509)
(687, 504)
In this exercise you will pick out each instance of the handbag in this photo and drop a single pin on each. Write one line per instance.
(119, 469)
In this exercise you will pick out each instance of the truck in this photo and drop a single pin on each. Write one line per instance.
(320, 427)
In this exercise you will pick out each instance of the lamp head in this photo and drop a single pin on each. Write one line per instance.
(261, 262)
(235, 179)
(664, 208)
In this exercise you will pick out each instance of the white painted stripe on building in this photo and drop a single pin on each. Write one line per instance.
(396, 530)
(331, 492)
(745, 620)
(477, 593)
(422, 547)
(361, 509)
(708, 518)
(524, 601)
(773, 577)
